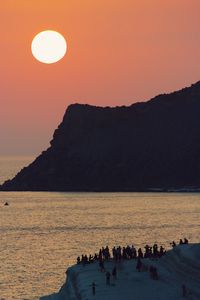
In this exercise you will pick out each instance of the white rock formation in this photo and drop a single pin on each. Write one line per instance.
(180, 265)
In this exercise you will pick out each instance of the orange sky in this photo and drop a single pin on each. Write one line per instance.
(119, 52)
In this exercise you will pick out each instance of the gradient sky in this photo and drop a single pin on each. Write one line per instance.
(120, 52)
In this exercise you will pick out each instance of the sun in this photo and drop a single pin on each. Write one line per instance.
(49, 46)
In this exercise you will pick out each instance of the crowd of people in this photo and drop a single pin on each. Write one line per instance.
(181, 242)
(122, 253)
(118, 254)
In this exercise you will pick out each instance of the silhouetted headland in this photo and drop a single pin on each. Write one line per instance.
(148, 146)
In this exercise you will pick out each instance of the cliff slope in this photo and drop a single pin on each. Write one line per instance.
(149, 145)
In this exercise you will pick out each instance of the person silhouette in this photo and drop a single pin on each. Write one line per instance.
(101, 265)
(93, 288)
(78, 260)
(114, 273)
(108, 278)
(139, 264)
(173, 244)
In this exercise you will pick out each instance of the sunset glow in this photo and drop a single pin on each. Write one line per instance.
(119, 52)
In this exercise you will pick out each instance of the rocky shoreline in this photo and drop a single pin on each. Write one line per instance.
(177, 268)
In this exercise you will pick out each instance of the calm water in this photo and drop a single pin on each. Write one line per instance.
(10, 166)
(42, 233)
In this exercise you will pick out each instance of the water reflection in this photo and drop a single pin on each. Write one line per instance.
(42, 233)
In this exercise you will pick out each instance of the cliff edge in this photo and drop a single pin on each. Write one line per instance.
(178, 267)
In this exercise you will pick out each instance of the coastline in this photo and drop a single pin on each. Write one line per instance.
(150, 190)
(179, 266)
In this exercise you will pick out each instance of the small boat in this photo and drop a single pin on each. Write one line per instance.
(6, 204)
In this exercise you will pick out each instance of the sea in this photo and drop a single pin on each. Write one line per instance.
(41, 234)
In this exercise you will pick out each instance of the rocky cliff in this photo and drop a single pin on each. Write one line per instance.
(150, 145)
